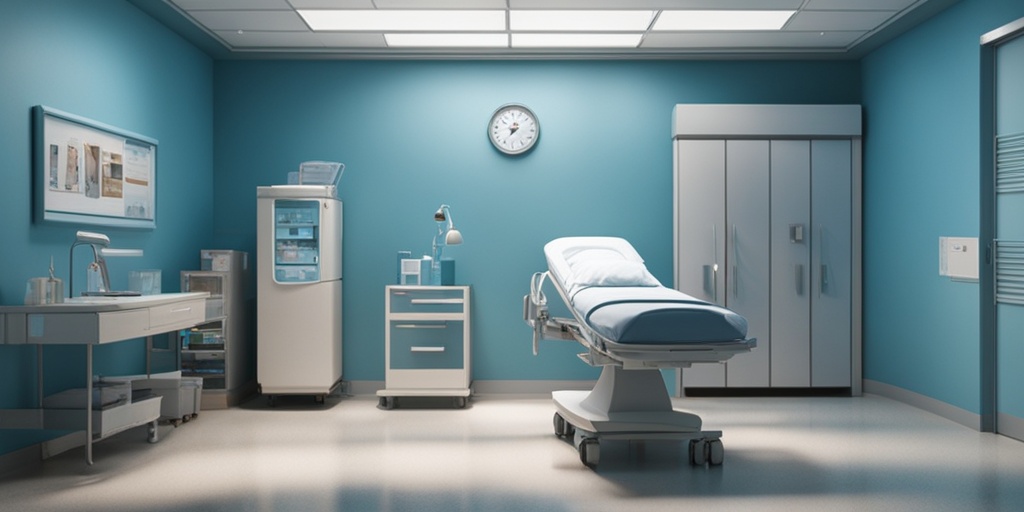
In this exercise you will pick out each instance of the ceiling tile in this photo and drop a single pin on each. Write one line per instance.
(440, 4)
(837, 20)
(257, 39)
(232, 5)
(858, 5)
(250, 20)
(332, 4)
(750, 40)
(656, 4)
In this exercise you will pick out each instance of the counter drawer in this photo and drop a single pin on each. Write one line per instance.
(185, 314)
(427, 300)
(426, 345)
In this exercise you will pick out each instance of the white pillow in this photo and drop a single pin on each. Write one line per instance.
(612, 272)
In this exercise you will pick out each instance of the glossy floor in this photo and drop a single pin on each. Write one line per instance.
(786, 454)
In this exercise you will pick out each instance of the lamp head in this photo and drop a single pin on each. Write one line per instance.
(439, 215)
(453, 237)
(96, 239)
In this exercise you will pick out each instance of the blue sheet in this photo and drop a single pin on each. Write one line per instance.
(656, 316)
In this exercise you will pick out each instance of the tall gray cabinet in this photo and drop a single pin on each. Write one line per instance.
(768, 224)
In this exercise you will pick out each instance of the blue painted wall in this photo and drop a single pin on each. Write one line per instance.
(412, 135)
(107, 61)
(921, 95)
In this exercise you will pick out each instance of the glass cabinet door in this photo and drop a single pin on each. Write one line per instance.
(296, 241)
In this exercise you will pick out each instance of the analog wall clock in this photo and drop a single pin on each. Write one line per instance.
(514, 129)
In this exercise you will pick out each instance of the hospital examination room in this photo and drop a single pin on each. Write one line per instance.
(523, 255)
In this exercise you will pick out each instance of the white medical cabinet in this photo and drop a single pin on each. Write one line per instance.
(426, 343)
(220, 349)
(768, 224)
(298, 265)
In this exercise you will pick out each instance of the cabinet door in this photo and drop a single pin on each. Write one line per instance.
(700, 235)
(831, 260)
(747, 250)
(791, 286)
(700, 179)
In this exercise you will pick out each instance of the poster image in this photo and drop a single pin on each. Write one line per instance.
(92, 171)
(88, 172)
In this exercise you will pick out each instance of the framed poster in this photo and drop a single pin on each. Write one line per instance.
(92, 173)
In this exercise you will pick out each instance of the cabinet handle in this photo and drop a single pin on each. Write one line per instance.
(735, 258)
(182, 310)
(421, 326)
(714, 235)
(426, 349)
(799, 279)
(436, 301)
(822, 267)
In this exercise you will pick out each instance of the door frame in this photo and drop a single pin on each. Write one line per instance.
(989, 357)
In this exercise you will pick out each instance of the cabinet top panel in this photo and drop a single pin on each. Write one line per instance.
(736, 120)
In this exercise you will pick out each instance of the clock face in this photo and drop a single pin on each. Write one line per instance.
(513, 129)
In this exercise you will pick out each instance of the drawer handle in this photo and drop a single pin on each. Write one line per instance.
(182, 310)
(421, 326)
(436, 301)
(427, 349)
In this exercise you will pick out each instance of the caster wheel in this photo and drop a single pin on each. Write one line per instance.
(387, 402)
(563, 429)
(460, 402)
(319, 399)
(716, 452)
(559, 425)
(154, 434)
(590, 453)
(698, 452)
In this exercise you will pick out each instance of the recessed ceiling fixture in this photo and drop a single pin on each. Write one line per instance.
(721, 20)
(575, 40)
(447, 40)
(399, 20)
(580, 20)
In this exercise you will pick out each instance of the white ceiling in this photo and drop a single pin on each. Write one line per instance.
(819, 28)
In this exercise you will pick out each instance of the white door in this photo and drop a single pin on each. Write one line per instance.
(700, 235)
(1009, 231)
(831, 262)
(747, 256)
(791, 253)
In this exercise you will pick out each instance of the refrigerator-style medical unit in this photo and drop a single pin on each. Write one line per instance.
(298, 266)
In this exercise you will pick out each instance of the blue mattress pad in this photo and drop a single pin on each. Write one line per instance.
(656, 315)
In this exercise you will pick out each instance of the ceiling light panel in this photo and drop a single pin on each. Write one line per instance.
(721, 20)
(447, 40)
(575, 40)
(405, 20)
(580, 20)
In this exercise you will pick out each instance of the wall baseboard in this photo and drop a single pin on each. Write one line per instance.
(1011, 426)
(926, 403)
(62, 444)
(21, 460)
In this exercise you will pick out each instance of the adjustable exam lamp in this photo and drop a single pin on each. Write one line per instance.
(451, 236)
(99, 243)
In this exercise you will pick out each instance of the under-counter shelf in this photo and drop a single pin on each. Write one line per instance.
(105, 422)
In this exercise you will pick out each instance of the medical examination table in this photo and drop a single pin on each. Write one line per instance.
(631, 326)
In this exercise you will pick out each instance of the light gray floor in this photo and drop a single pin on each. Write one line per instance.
(786, 454)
